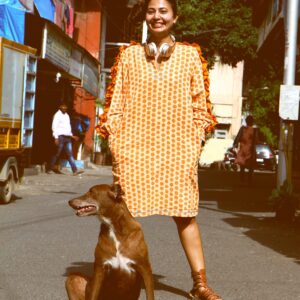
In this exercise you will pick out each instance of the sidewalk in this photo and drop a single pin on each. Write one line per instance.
(91, 167)
(47, 183)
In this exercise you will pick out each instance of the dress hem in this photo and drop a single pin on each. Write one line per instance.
(188, 214)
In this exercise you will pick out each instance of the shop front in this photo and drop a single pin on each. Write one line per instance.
(66, 73)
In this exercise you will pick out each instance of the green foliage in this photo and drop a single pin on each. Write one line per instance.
(263, 101)
(221, 27)
(102, 143)
(285, 202)
(285, 191)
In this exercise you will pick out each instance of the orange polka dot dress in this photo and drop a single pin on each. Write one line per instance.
(156, 121)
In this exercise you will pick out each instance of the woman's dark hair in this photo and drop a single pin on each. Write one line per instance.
(249, 121)
(173, 4)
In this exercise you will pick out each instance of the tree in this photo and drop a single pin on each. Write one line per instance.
(265, 76)
(222, 27)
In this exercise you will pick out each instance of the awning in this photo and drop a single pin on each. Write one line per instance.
(46, 9)
(60, 50)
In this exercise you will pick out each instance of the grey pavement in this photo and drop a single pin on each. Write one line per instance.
(249, 255)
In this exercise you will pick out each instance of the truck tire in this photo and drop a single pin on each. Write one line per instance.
(6, 188)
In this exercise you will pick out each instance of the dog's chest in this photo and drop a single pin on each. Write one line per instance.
(119, 261)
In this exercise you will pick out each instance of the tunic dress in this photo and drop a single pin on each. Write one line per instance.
(156, 122)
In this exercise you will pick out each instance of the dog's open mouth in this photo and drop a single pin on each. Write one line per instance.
(85, 210)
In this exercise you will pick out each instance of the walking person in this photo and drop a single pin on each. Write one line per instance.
(245, 142)
(62, 133)
(157, 117)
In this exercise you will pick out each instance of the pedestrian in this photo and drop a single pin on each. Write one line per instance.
(62, 133)
(245, 142)
(157, 116)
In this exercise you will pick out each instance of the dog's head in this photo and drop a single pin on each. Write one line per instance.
(99, 200)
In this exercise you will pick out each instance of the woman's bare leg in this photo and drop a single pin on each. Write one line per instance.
(190, 237)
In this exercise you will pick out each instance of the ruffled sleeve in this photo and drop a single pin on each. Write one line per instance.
(202, 107)
(115, 97)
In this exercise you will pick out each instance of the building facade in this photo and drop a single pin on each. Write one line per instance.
(66, 35)
(226, 87)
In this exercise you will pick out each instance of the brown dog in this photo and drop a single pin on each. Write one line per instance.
(121, 254)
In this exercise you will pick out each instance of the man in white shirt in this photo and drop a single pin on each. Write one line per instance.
(62, 133)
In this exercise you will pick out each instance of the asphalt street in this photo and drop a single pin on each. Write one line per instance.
(249, 255)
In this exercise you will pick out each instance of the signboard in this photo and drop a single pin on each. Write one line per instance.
(289, 102)
(76, 63)
(90, 77)
(57, 50)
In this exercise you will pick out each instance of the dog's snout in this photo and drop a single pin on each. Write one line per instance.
(72, 202)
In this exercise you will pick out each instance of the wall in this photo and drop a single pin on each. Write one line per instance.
(87, 28)
(85, 104)
(226, 85)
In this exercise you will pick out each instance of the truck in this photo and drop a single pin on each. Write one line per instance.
(18, 69)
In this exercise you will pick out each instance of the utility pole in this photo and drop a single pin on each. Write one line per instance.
(286, 128)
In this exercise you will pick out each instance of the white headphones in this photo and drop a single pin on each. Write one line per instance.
(165, 50)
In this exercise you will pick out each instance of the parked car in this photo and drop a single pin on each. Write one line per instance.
(265, 157)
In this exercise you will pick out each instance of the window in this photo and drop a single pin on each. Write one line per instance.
(221, 134)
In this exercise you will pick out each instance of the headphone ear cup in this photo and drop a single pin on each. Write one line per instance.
(151, 49)
(164, 50)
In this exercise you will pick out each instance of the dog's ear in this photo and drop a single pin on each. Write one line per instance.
(112, 194)
(115, 192)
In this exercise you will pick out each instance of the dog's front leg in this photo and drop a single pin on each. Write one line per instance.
(94, 286)
(146, 273)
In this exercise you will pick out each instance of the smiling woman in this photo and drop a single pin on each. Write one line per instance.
(160, 18)
(158, 115)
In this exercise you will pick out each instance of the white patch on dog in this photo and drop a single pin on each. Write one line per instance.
(119, 261)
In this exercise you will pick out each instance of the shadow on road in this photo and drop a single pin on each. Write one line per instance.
(225, 189)
(250, 209)
(267, 231)
(86, 268)
(168, 288)
(270, 233)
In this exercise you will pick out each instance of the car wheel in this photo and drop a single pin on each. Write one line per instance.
(235, 167)
(273, 167)
(6, 188)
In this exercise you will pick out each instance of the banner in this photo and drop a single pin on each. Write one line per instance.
(12, 21)
(46, 9)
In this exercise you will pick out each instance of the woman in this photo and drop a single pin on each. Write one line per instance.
(246, 140)
(156, 123)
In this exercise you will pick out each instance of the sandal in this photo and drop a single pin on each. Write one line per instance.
(201, 291)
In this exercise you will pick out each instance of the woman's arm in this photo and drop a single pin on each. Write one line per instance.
(115, 97)
(118, 97)
(201, 116)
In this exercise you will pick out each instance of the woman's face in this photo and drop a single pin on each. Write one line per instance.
(160, 17)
